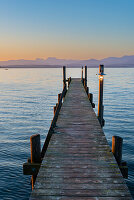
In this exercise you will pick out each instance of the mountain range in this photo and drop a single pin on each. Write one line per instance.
(125, 61)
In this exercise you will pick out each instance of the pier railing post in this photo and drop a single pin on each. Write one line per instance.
(100, 99)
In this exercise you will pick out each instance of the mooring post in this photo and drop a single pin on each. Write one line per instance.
(59, 96)
(85, 82)
(35, 148)
(54, 109)
(35, 154)
(117, 148)
(82, 75)
(33, 164)
(100, 100)
(90, 97)
(64, 77)
(87, 90)
(69, 81)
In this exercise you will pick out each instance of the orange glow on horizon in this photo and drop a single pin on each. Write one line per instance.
(31, 50)
(12, 56)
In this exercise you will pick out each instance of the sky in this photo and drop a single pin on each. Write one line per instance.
(66, 29)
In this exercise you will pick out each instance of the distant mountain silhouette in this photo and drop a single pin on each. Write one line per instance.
(52, 61)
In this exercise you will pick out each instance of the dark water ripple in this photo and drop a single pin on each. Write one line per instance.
(26, 108)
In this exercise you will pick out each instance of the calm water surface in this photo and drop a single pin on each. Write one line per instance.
(26, 108)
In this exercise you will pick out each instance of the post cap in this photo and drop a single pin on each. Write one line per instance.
(101, 70)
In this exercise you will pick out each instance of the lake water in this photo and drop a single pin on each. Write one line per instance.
(27, 97)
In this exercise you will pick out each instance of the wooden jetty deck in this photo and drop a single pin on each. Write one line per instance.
(78, 163)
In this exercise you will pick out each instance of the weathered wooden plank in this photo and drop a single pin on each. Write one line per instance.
(92, 180)
(74, 186)
(81, 170)
(81, 165)
(80, 175)
(78, 198)
(83, 192)
(78, 163)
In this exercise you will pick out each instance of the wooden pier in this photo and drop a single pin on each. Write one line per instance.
(78, 162)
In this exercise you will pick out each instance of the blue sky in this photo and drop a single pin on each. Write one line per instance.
(72, 29)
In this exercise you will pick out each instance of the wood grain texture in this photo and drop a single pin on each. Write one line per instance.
(78, 163)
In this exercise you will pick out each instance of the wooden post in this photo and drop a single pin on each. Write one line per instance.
(59, 95)
(33, 178)
(82, 75)
(35, 153)
(69, 81)
(90, 97)
(35, 148)
(64, 77)
(100, 100)
(33, 164)
(54, 109)
(117, 148)
(85, 84)
(117, 143)
(87, 90)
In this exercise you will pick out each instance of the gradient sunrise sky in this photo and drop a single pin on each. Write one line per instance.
(70, 29)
